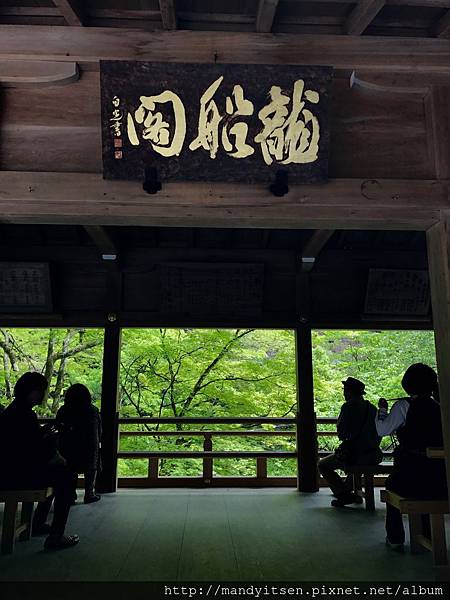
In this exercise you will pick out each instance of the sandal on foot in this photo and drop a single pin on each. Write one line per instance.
(60, 542)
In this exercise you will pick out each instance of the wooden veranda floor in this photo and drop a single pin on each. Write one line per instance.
(220, 534)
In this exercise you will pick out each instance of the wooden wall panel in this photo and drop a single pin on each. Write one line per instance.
(50, 128)
(373, 134)
(376, 134)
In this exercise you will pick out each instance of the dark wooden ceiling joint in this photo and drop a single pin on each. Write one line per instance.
(314, 247)
(442, 27)
(362, 16)
(103, 241)
(168, 14)
(266, 15)
(72, 11)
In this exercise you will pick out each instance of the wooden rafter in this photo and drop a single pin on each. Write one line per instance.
(71, 10)
(314, 247)
(102, 240)
(168, 14)
(266, 15)
(362, 15)
(442, 28)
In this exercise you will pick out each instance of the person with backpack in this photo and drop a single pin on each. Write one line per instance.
(360, 443)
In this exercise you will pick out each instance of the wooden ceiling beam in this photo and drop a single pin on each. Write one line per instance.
(266, 15)
(362, 15)
(168, 14)
(88, 45)
(71, 10)
(442, 28)
(88, 199)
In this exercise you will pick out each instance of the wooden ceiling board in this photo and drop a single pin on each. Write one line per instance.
(247, 7)
(418, 17)
(306, 9)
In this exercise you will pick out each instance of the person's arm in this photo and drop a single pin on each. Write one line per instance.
(388, 422)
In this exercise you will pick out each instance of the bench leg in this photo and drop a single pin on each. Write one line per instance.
(9, 526)
(438, 541)
(26, 517)
(369, 492)
(415, 529)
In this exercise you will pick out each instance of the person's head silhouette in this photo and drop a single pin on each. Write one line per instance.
(420, 380)
(30, 389)
(77, 397)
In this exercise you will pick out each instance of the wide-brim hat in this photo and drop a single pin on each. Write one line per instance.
(355, 384)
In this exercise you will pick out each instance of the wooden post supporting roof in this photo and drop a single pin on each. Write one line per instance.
(308, 477)
(308, 480)
(439, 268)
(109, 408)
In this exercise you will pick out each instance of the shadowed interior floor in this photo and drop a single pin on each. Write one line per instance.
(219, 535)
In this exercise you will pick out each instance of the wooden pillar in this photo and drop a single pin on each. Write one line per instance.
(109, 408)
(308, 480)
(439, 270)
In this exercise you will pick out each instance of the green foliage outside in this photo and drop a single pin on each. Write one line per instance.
(212, 373)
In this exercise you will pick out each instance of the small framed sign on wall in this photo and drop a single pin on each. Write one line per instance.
(221, 122)
(211, 290)
(402, 292)
(25, 287)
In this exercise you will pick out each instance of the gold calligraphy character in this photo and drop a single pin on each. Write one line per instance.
(208, 122)
(293, 138)
(156, 130)
(238, 130)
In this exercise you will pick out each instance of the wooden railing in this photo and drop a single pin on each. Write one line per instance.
(208, 454)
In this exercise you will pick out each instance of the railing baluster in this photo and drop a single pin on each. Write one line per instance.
(261, 468)
(153, 468)
(207, 462)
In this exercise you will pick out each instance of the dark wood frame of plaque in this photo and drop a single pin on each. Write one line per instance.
(123, 83)
(415, 299)
(42, 303)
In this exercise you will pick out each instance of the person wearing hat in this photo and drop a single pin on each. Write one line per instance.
(360, 443)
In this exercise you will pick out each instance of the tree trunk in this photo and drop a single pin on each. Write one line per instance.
(56, 394)
(49, 364)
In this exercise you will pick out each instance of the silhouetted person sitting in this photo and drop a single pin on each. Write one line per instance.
(417, 423)
(79, 424)
(29, 460)
(360, 443)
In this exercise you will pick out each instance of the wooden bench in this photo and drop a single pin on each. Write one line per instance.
(414, 508)
(364, 480)
(10, 529)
